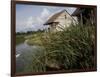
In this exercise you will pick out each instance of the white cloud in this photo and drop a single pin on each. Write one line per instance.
(24, 25)
(33, 22)
(40, 19)
(30, 21)
(45, 13)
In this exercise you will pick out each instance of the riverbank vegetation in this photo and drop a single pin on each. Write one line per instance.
(35, 39)
(32, 37)
(72, 48)
(20, 39)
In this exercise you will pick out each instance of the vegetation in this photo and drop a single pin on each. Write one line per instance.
(72, 48)
(35, 39)
(20, 39)
(69, 49)
(32, 37)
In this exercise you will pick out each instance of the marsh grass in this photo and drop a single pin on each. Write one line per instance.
(72, 48)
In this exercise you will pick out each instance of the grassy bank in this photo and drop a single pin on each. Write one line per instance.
(72, 48)
(32, 39)
(20, 39)
(35, 39)
(69, 49)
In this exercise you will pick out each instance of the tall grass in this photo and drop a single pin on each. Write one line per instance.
(72, 48)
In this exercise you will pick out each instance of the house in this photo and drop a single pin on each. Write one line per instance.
(85, 15)
(59, 21)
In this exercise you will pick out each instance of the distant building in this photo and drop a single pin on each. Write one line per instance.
(60, 20)
(85, 15)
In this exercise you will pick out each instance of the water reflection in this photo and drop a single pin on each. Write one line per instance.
(24, 55)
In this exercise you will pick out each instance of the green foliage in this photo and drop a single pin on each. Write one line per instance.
(72, 48)
(35, 39)
(19, 39)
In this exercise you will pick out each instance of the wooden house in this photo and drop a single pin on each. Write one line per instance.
(85, 15)
(59, 21)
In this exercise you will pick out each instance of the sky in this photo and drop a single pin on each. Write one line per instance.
(32, 17)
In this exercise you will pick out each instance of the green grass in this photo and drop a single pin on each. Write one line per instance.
(69, 49)
(20, 39)
(72, 48)
(35, 39)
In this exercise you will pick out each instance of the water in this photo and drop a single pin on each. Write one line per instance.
(24, 55)
(24, 47)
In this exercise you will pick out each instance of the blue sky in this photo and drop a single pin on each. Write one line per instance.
(32, 17)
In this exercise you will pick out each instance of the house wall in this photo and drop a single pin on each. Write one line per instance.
(53, 27)
(63, 23)
(76, 20)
